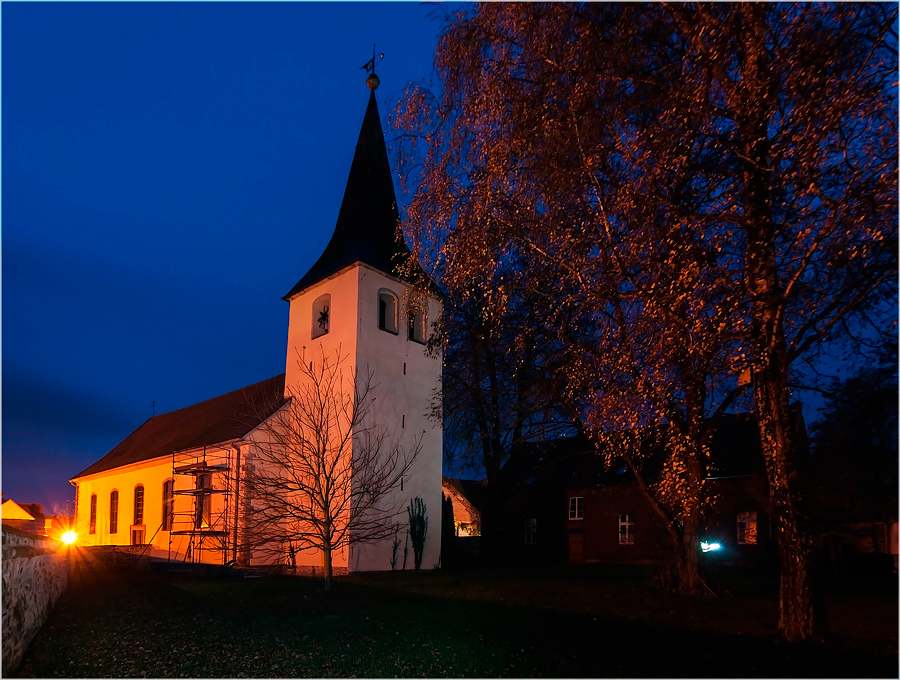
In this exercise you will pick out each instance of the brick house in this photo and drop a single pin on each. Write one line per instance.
(566, 506)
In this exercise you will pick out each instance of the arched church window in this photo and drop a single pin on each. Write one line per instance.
(114, 512)
(416, 324)
(387, 311)
(321, 315)
(92, 527)
(168, 504)
(138, 504)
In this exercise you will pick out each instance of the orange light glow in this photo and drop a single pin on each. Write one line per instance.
(69, 537)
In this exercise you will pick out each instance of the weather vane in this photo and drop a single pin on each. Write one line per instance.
(370, 65)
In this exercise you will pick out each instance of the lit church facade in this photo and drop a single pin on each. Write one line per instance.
(178, 484)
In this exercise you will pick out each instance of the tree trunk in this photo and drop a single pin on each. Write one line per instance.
(327, 568)
(687, 559)
(685, 541)
(800, 617)
(695, 500)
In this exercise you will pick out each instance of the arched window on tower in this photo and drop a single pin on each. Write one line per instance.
(416, 324)
(387, 311)
(321, 315)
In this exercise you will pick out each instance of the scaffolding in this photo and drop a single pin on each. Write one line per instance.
(200, 523)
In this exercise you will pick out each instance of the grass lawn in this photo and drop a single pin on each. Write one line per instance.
(591, 622)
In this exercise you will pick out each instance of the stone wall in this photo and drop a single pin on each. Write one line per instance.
(35, 574)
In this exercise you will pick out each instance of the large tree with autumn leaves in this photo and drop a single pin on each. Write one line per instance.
(694, 194)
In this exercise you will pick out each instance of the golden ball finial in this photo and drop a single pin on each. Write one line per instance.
(373, 81)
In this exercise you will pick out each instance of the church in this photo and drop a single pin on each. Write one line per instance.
(180, 486)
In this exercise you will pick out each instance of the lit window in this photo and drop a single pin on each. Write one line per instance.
(531, 531)
(321, 315)
(168, 505)
(387, 311)
(746, 528)
(92, 529)
(626, 530)
(576, 507)
(114, 512)
(138, 504)
(416, 325)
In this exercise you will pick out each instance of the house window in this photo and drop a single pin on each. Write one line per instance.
(531, 531)
(626, 530)
(321, 315)
(416, 324)
(114, 512)
(746, 528)
(576, 507)
(138, 504)
(92, 528)
(387, 311)
(203, 508)
(168, 504)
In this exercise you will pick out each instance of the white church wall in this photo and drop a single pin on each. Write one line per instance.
(341, 336)
(306, 558)
(406, 379)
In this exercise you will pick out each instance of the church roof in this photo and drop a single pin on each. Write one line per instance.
(220, 419)
(368, 225)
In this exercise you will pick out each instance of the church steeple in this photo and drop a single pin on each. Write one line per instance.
(368, 225)
(355, 306)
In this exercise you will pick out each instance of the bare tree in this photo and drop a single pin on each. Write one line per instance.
(323, 470)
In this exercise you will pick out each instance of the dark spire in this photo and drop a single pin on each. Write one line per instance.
(368, 225)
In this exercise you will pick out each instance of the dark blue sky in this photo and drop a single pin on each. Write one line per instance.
(169, 171)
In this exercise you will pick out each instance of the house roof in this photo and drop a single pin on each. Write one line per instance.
(228, 416)
(574, 462)
(470, 489)
(12, 510)
(563, 463)
(368, 225)
(36, 510)
(735, 448)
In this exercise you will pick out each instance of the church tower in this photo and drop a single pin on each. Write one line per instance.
(357, 301)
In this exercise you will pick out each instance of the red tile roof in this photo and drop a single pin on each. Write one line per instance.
(213, 421)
